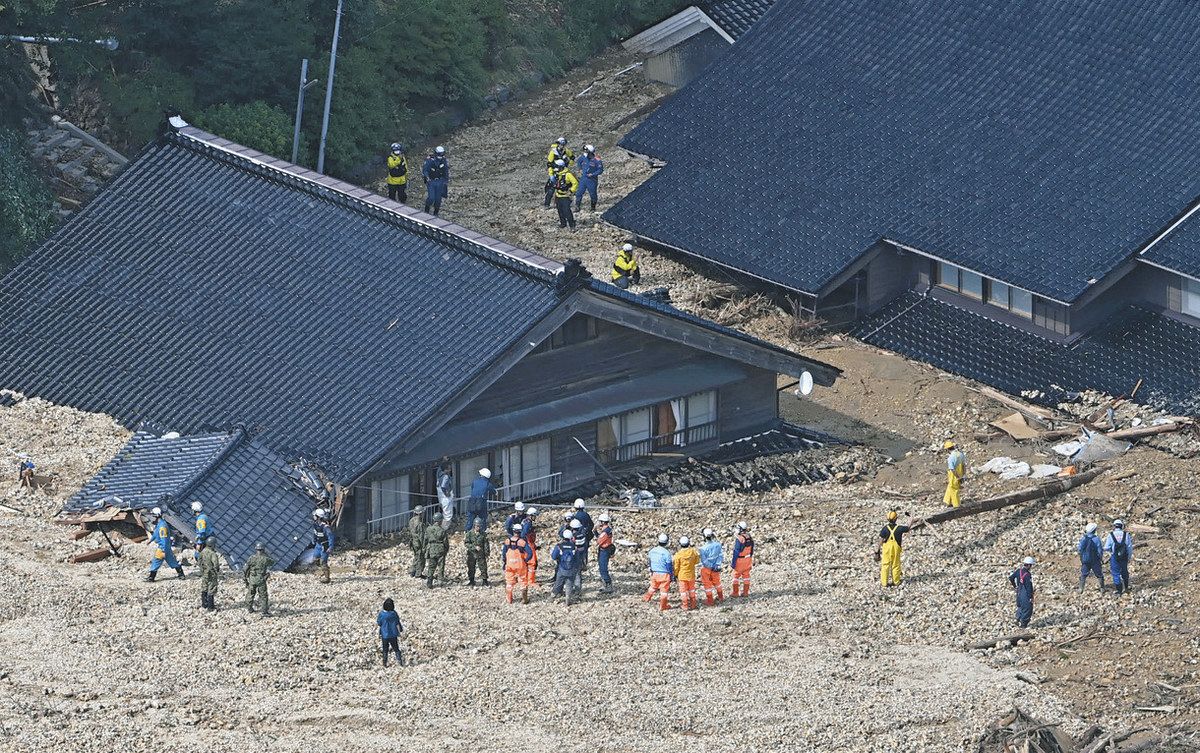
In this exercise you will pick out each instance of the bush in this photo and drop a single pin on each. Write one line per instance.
(256, 125)
(26, 206)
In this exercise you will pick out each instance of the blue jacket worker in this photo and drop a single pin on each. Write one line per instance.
(202, 529)
(590, 167)
(160, 540)
(1119, 546)
(1022, 582)
(322, 541)
(389, 631)
(1091, 557)
(515, 521)
(482, 489)
(436, 172)
(567, 567)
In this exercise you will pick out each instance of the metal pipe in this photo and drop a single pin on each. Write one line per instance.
(337, 30)
(109, 43)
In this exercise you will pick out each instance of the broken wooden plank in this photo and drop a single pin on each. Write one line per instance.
(91, 555)
(1141, 528)
(1156, 709)
(1043, 491)
(1080, 639)
(82, 533)
(1041, 416)
(1146, 431)
(1012, 640)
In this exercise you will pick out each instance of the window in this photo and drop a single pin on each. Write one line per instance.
(1001, 295)
(1191, 297)
(947, 275)
(1050, 315)
(998, 294)
(468, 471)
(970, 284)
(1022, 302)
(674, 423)
(389, 497)
(577, 329)
(526, 469)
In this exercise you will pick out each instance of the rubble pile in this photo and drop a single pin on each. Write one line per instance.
(1092, 406)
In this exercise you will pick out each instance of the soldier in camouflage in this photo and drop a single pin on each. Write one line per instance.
(256, 573)
(437, 543)
(477, 552)
(416, 540)
(210, 572)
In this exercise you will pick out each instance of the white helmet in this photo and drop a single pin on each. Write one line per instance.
(321, 513)
(519, 507)
(1118, 523)
(156, 512)
(485, 473)
(627, 247)
(575, 524)
(1027, 561)
(709, 533)
(604, 517)
(531, 511)
(561, 140)
(579, 504)
(397, 147)
(197, 507)
(589, 148)
(742, 526)
(684, 541)
(569, 535)
(1090, 527)
(440, 150)
(663, 538)
(559, 163)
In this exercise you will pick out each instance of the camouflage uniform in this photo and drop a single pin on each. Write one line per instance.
(477, 555)
(257, 570)
(210, 572)
(437, 542)
(416, 540)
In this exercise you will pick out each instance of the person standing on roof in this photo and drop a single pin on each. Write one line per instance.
(482, 489)
(891, 538)
(255, 574)
(566, 571)
(956, 470)
(712, 559)
(416, 541)
(436, 172)
(478, 547)
(529, 535)
(160, 540)
(209, 561)
(625, 269)
(322, 541)
(202, 530)
(1022, 583)
(743, 559)
(590, 167)
(445, 493)
(662, 568)
(390, 629)
(1091, 557)
(516, 519)
(685, 563)
(515, 556)
(1119, 546)
(437, 543)
(564, 184)
(605, 548)
(558, 152)
(397, 174)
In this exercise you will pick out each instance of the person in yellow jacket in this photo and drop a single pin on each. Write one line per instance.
(625, 268)
(686, 562)
(890, 541)
(956, 469)
(397, 174)
(558, 151)
(564, 184)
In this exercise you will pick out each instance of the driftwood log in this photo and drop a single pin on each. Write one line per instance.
(1042, 491)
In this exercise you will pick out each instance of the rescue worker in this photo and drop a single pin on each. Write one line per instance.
(662, 567)
(160, 538)
(685, 563)
(202, 532)
(436, 172)
(516, 519)
(529, 535)
(625, 269)
(1119, 546)
(1022, 582)
(564, 184)
(566, 567)
(25, 468)
(397, 174)
(1091, 557)
(482, 489)
(712, 558)
(477, 545)
(416, 540)
(516, 555)
(588, 527)
(390, 629)
(742, 560)
(590, 167)
(445, 493)
(558, 151)
(209, 561)
(256, 573)
(891, 543)
(956, 469)
(605, 548)
(437, 543)
(568, 516)
(322, 541)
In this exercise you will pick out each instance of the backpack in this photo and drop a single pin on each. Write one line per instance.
(566, 558)
(1121, 548)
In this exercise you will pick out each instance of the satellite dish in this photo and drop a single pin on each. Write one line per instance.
(805, 386)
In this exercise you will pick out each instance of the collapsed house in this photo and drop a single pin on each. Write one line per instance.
(1005, 191)
(284, 340)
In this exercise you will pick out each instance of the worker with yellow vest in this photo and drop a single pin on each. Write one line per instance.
(397, 174)
(625, 268)
(564, 184)
(956, 469)
(890, 541)
(558, 151)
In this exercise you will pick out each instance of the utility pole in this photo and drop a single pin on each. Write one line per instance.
(304, 84)
(337, 29)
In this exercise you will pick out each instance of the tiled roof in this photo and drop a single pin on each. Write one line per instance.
(1133, 344)
(1041, 144)
(1179, 251)
(736, 16)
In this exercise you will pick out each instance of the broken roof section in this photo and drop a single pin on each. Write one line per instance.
(1040, 144)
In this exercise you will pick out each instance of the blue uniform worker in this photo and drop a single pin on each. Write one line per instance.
(322, 542)
(390, 628)
(1119, 546)
(516, 520)
(1091, 557)
(482, 489)
(1022, 582)
(587, 527)
(567, 567)
(662, 572)
(590, 167)
(202, 529)
(436, 172)
(160, 537)
(712, 559)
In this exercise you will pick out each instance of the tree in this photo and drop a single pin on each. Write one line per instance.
(256, 125)
(26, 206)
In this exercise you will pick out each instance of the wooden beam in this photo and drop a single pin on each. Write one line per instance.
(91, 555)
(1012, 640)
(1042, 491)
(1146, 431)
(1040, 415)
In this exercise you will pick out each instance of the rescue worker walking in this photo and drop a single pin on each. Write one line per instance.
(588, 528)
(566, 567)
(890, 545)
(558, 151)
(1091, 557)
(956, 469)
(590, 167)
(160, 539)
(478, 547)
(515, 555)
(445, 493)
(662, 567)
(390, 629)
(482, 489)
(685, 563)
(516, 519)
(437, 543)
(625, 269)
(416, 540)
(564, 184)
(322, 541)
(1022, 582)
(202, 531)
(397, 174)
(256, 573)
(743, 560)
(712, 559)
(436, 172)
(209, 561)
(529, 535)
(605, 548)
(1119, 546)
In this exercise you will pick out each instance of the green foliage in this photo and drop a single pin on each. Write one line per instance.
(26, 215)
(256, 125)
(138, 103)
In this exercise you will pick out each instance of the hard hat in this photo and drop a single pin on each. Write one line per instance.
(440, 150)
(156, 512)
(397, 147)
(561, 140)
(1118, 523)
(322, 513)
(259, 547)
(684, 541)
(1027, 561)
(604, 517)
(709, 533)
(437, 516)
(662, 538)
(589, 148)
(579, 504)
(559, 163)
(891, 514)
(478, 521)
(742, 526)
(519, 507)
(1090, 527)
(627, 247)
(485, 473)
(575, 524)
(197, 507)
(568, 515)
(532, 511)
(947, 445)
(568, 534)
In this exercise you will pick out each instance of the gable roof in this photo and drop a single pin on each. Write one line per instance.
(210, 286)
(735, 16)
(1038, 143)
(1179, 250)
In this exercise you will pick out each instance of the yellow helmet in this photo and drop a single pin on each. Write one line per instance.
(891, 515)
(948, 445)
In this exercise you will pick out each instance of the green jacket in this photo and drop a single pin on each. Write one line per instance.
(477, 543)
(210, 562)
(416, 531)
(437, 540)
(258, 568)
